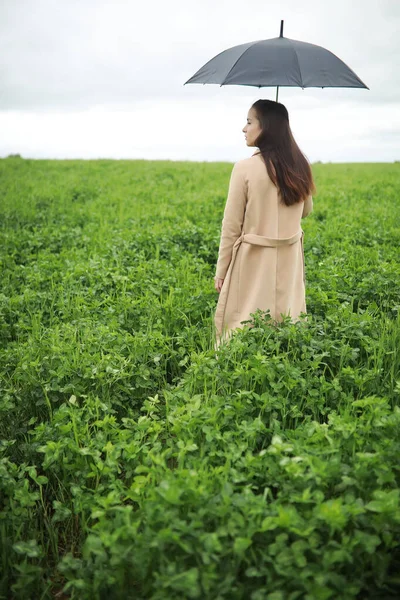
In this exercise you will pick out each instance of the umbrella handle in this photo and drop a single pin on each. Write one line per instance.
(277, 88)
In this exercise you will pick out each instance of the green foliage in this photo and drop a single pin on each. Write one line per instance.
(135, 462)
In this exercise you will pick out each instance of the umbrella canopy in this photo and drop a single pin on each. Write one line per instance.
(281, 62)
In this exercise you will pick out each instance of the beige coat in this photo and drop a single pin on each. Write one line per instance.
(261, 257)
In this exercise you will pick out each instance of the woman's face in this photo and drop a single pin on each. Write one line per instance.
(252, 129)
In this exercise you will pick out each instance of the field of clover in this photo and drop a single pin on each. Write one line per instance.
(133, 463)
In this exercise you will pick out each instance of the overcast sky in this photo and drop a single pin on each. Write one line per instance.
(97, 79)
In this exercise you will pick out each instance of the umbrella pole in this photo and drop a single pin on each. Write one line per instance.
(280, 35)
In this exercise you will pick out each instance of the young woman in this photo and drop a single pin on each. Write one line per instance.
(261, 258)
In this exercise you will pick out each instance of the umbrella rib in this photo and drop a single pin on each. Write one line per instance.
(236, 61)
(298, 64)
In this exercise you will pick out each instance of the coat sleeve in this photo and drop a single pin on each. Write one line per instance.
(232, 221)
(308, 206)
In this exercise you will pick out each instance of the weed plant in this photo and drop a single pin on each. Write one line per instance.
(135, 463)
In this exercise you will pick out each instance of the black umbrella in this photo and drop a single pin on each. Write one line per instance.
(280, 62)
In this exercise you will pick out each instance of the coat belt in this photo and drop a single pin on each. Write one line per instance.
(260, 240)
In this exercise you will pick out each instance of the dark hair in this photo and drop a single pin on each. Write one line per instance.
(287, 166)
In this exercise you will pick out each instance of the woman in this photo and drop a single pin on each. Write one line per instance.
(261, 261)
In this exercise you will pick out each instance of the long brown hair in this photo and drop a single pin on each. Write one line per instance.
(287, 166)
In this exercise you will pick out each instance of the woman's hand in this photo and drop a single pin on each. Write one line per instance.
(218, 284)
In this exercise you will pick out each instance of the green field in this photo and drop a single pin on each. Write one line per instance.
(133, 463)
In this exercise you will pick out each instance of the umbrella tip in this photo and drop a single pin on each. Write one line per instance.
(281, 33)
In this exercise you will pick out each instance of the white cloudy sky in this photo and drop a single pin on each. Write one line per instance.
(97, 79)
